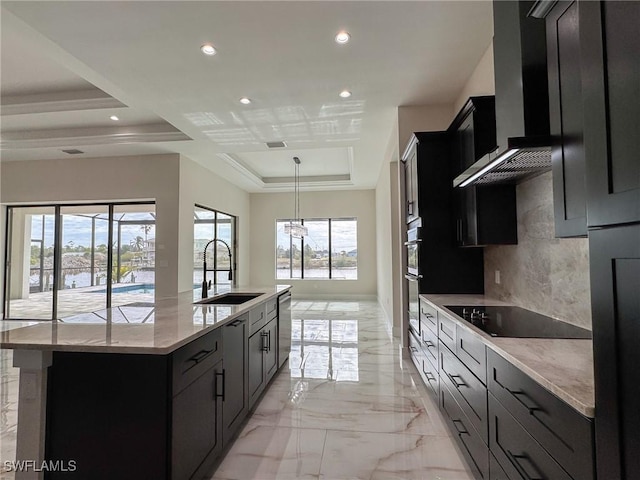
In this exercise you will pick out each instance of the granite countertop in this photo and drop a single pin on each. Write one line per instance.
(562, 366)
(150, 328)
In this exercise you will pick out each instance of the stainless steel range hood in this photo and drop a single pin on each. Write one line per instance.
(522, 100)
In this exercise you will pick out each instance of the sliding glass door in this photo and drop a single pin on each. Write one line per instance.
(69, 259)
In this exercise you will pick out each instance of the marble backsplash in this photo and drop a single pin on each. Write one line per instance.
(542, 273)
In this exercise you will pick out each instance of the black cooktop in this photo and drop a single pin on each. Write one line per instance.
(517, 322)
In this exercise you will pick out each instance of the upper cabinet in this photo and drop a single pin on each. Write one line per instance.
(484, 214)
(410, 162)
(474, 130)
(566, 120)
(610, 53)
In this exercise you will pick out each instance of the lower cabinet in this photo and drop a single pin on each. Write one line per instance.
(263, 359)
(235, 396)
(473, 447)
(196, 437)
(517, 452)
(507, 425)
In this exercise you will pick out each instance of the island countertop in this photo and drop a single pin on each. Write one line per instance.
(156, 328)
(562, 366)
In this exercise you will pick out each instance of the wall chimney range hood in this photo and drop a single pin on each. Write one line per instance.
(522, 100)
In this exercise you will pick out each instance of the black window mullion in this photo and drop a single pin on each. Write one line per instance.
(110, 256)
(302, 253)
(57, 260)
(330, 273)
(7, 262)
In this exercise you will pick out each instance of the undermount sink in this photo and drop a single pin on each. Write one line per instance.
(230, 298)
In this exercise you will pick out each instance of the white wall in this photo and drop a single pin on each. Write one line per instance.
(481, 82)
(421, 118)
(266, 208)
(201, 186)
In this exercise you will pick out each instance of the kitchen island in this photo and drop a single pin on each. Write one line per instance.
(145, 390)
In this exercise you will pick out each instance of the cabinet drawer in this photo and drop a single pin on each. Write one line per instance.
(495, 470)
(563, 432)
(519, 455)
(447, 331)
(429, 316)
(470, 442)
(271, 307)
(190, 361)
(472, 352)
(430, 345)
(468, 391)
(430, 375)
(257, 318)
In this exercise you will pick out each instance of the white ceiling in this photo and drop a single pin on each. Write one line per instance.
(67, 66)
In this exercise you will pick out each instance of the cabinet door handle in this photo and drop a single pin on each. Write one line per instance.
(515, 460)
(269, 341)
(220, 395)
(265, 347)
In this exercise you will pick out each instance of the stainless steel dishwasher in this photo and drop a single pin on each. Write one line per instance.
(284, 327)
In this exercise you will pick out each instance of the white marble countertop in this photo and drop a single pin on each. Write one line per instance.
(149, 328)
(562, 366)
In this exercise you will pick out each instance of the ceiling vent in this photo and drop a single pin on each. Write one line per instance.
(73, 151)
(276, 144)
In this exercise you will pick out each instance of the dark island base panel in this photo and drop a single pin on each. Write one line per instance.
(109, 414)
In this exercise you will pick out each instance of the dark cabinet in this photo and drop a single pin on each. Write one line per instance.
(566, 119)
(615, 298)
(263, 359)
(561, 431)
(473, 131)
(198, 386)
(519, 455)
(609, 53)
(235, 401)
(443, 267)
(473, 448)
(486, 215)
(195, 437)
(410, 162)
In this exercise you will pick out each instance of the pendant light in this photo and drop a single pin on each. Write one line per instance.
(295, 227)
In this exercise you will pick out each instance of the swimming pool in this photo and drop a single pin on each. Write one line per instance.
(140, 288)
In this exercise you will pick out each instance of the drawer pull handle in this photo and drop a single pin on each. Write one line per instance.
(430, 376)
(517, 394)
(235, 323)
(464, 430)
(515, 460)
(413, 349)
(199, 356)
(455, 382)
(429, 343)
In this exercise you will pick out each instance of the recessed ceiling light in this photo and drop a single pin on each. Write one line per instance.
(342, 37)
(208, 49)
(114, 118)
(245, 101)
(345, 94)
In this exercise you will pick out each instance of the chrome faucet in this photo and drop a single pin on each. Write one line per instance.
(206, 285)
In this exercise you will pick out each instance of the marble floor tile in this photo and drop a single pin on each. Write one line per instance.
(262, 452)
(389, 456)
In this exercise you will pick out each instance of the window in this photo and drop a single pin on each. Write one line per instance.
(207, 225)
(329, 251)
(60, 262)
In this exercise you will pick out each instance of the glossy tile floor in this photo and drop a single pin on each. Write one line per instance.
(346, 407)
